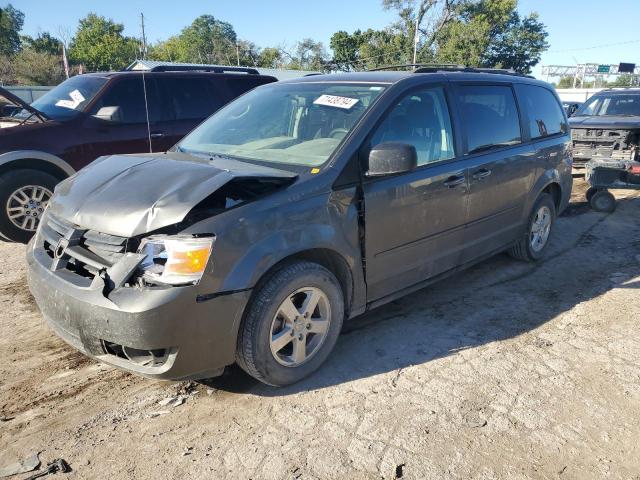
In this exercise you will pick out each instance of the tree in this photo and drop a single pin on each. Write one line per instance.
(100, 45)
(11, 21)
(43, 43)
(37, 68)
(270, 57)
(519, 46)
(206, 40)
(308, 55)
(488, 33)
(369, 49)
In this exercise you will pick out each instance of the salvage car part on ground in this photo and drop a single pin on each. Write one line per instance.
(605, 175)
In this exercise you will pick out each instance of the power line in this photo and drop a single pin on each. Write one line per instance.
(594, 47)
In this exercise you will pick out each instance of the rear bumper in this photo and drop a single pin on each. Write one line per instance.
(192, 339)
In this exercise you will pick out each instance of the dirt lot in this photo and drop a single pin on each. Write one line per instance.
(505, 371)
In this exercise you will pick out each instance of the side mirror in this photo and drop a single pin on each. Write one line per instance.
(109, 114)
(389, 158)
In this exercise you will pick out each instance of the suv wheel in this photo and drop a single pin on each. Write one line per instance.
(291, 325)
(532, 245)
(24, 195)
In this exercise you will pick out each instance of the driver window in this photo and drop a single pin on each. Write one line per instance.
(420, 119)
(128, 96)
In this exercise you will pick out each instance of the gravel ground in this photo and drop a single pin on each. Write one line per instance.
(507, 370)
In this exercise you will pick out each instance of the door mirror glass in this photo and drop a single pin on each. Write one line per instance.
(109, 114)
(392, 157)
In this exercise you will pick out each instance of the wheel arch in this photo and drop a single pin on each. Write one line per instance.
(35, 160)
(329, 259)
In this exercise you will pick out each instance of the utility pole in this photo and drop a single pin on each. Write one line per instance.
(144, 38)
(415, 41)
(238, 53)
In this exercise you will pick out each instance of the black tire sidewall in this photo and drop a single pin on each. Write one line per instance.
(9, 183)
(273, 292)
(591, 191)
(544, 200)
(601, 196)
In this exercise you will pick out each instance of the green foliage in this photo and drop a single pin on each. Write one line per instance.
(308, 55)
(519, 46)
(43, 43)
(487, 33)
(11, 21)
(565, 82)
(270, 58)
(100, 45)
(369, 49)
(206, 40)
(37, 68)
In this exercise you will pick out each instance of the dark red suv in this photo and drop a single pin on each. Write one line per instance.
(98, 114)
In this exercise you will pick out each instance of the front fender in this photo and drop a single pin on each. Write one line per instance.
(254, 238)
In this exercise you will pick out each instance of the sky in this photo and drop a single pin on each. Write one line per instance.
(580, 31)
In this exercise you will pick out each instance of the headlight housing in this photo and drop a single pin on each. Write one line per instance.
(175, 259)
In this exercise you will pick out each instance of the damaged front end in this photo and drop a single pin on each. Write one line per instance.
(115, 275)
(602, 143)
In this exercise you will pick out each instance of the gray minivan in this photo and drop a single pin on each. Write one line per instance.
(294, 208)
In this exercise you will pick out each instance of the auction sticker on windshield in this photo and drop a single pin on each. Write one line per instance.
(76, 99)
(336, 101)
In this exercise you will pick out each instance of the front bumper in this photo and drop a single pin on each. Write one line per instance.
(194, 339)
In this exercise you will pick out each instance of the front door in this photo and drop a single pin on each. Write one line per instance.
(126, 131)
(414, 222)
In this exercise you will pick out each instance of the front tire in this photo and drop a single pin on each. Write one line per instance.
(532, 245)
(24, 195)
(292, 324)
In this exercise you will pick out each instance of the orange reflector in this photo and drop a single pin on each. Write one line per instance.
(191, 261)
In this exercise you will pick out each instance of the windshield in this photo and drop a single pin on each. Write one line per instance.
(67, 99)
(294, 123)
(615, 104)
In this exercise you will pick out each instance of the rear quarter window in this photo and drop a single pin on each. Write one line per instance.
(243, 83)
(192, 98)
(543, 111)
(489, 116)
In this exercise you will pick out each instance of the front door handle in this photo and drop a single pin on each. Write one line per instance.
(482, 173)
(157, 135)
(454, 181)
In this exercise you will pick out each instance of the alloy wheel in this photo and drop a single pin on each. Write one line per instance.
(26, 206)
(540, 228)
(300, 326)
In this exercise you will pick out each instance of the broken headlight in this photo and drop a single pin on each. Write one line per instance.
(175, 260)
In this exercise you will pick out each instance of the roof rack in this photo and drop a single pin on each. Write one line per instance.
(417, 66)
(203, 68)
(462, 68)
(451, 67)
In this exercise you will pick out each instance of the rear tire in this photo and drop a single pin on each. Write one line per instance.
(278, 330)
(534, 242)
(24, 195)
(603, 201)
(590, 193)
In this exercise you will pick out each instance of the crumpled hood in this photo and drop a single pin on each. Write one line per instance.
(606, 122)
(127, 195)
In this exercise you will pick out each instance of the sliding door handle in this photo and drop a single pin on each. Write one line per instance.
(454, 181)
(482, 173)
